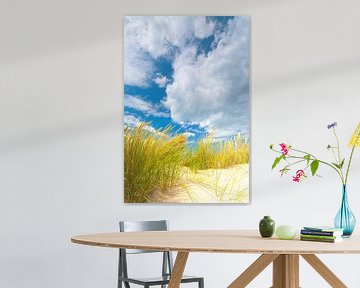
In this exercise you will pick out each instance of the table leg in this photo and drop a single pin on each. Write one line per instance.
(178, 269)
(253, 270)
(324, 271)
(286, 271)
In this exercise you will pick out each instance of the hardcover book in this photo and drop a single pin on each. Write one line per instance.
(336, 240)
(323, 228)
(321, 233)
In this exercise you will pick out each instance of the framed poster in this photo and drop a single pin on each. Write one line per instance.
(186, 109)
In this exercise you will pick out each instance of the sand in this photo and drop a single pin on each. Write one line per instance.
(229, 185)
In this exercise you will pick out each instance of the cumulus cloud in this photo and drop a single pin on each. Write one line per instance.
(189, 134)
(131, 120)
(147, 38)
(138, 65)
(147, 108)
(156, 35)
(161, 80)
(212, 90)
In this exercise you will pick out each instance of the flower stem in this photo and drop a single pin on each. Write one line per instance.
(296, 162)
(348, 168)
(312, 159)
(304, 152)
(338, 171)
(338, 145)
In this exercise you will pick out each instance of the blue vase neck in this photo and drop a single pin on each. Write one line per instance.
(344, 196)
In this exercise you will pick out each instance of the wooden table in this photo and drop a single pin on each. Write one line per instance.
(284, 254)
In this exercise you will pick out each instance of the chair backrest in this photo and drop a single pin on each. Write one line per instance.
(138, 226)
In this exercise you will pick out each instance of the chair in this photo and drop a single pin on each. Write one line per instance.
(167, 262)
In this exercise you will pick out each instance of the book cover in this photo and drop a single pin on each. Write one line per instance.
(321, 233)
(323, 228)
(324, 240)
(320, 236)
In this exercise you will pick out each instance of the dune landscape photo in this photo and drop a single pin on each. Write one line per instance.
(186, 109)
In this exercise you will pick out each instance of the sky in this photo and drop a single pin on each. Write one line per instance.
(190, 72)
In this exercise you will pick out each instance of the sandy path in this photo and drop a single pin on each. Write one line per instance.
(229, 185)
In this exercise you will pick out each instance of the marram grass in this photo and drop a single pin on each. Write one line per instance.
(153, 160)
(218, 155)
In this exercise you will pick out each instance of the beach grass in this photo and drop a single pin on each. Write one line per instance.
(154, 159)
(217, 155)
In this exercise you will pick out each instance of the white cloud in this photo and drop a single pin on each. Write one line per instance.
(156, 34)
(149, 37)
(161, 80)
(149, 109)
(138, 66)
(212, 90)
(131, 120)
(189, 134)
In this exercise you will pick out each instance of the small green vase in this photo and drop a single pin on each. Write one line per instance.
(267, 227)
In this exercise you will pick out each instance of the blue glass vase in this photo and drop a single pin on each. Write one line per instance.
(345, 219)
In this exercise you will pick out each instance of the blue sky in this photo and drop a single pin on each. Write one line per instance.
(190, 72)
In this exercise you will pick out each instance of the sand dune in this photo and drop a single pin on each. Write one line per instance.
(229, 185)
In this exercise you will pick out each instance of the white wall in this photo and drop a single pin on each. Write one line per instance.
(61, 133)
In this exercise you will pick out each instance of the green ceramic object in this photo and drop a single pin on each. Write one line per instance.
(266, 227)
(286, 232)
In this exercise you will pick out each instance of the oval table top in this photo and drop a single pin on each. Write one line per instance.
(217, 241)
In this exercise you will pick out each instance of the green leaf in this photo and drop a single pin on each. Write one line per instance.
(336, 165)
(271, 146)
(276, 162)
(342, 163)
(307, 157)
(314, 167)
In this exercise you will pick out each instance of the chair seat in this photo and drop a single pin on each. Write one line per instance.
(158, 280)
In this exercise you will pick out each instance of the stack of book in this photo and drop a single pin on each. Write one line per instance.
(321, 234)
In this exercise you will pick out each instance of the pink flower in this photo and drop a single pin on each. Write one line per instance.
(284, 148)
(300, 174)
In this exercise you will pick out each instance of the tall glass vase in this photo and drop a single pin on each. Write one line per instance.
(345, 219)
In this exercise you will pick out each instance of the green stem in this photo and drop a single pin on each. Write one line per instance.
(304, 152)
(338, 145)
(348, 167)
(296, 162)
(333, 152)
(339, 155)
(312, 159)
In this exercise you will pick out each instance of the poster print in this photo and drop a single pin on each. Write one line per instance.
(186, 109)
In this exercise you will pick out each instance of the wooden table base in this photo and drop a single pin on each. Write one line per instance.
(286, 271)
(178, 270)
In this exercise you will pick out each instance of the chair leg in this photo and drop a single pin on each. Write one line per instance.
(201, 283)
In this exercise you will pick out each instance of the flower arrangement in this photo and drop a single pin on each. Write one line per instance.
(293, 156)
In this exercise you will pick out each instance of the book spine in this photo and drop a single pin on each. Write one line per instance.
(317, 239)
(319, 236)
(319, 233)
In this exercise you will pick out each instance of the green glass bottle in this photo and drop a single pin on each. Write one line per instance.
(267, 227)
